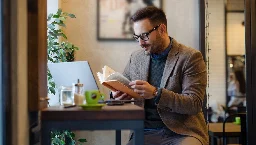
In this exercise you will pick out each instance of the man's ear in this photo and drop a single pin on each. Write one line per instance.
(162, 29)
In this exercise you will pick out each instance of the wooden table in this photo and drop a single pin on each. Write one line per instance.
(216, 129)
(127, 116)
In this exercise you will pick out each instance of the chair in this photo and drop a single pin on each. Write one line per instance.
(243, 135)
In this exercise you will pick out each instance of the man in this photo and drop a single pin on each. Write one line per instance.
(171, 79)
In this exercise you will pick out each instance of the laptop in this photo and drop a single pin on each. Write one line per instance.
(67, 73)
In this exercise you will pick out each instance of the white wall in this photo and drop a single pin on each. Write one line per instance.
(183, 21)
(52, 6)
(216, 55)
(183, 25)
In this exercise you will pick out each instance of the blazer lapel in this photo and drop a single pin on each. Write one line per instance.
(170, 63)
(144, 67)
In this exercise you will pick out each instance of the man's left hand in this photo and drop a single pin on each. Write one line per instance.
(143, 88)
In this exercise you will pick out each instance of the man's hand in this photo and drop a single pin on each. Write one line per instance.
(121, 96)
(143, 88)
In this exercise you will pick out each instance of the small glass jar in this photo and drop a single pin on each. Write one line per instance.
(66, 95)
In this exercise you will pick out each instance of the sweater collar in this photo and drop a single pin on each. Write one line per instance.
(163, 54)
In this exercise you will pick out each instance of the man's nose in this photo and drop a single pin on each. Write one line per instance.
(141, 42)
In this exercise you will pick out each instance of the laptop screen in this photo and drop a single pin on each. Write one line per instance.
(66, 73)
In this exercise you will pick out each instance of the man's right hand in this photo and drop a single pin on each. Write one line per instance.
(118, 95)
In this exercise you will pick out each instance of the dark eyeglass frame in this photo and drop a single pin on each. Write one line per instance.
(144, 36)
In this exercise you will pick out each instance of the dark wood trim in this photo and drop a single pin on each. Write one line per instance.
(2, 114)
(14, 66)
(127, 111)
(248, 64)
(37, 54)
(202, 47)
(6, 71)
(234, 11)
(250, 37)
(226, 51)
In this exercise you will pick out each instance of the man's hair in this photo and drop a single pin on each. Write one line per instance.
(155, 15)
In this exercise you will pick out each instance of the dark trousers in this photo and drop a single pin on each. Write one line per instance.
(166, 137)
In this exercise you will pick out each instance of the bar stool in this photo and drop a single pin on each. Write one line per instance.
(243, 136)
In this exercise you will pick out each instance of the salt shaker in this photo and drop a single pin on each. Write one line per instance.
(78, 93)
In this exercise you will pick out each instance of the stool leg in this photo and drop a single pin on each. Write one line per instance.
(118, 137)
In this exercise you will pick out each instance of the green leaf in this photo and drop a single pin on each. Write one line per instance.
(62, 19)
(51, 26)
(71, 15)
(69, 46)
(50, 59)
(72, 134)
(53, 84)
(82, 140)
(63, 35)
(76, 48)
(62, 142)
(59, 11)
(52, 90)
(49, 17)
(62, 24)
(56, 16)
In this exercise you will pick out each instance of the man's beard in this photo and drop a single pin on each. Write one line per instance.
(157, 46)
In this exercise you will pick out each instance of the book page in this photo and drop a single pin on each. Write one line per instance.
(107, 71)
(119, 77)
(100, 76)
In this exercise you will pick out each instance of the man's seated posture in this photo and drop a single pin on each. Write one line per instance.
(171, 80)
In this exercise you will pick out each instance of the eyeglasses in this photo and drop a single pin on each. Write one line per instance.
(144, 36)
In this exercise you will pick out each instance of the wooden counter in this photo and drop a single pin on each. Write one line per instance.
(128, 117)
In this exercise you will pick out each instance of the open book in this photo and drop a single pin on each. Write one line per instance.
(115, 81)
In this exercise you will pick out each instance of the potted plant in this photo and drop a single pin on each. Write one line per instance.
(59, 50)
(65, 137)
(58, 46)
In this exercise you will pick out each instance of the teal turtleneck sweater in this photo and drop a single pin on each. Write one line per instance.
(156, 69)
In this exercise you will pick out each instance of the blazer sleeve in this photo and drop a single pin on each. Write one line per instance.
(194, 81)
(126, 72)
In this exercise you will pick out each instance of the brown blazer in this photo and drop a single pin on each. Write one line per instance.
(184, 82)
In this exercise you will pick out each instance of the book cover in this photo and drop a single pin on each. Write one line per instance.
(115, 81)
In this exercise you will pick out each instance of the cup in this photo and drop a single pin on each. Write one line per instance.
(93, 96)
(237, 120)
